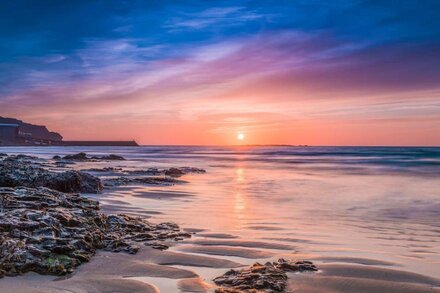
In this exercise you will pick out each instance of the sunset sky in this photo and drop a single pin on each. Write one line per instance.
(202, 72)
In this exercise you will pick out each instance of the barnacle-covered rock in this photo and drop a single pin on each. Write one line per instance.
(51, 232)
(269, 278)
(26, 171)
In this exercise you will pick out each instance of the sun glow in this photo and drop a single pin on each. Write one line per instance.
(240, 136)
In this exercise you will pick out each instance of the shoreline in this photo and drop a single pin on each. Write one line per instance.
(192, 264)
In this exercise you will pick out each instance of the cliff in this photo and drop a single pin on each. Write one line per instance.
(37, 131)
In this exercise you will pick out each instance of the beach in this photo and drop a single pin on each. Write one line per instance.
(368, 218)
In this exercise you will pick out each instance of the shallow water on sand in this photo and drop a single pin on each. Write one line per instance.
(378, 206)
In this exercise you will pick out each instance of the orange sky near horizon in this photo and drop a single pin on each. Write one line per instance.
(257, 131)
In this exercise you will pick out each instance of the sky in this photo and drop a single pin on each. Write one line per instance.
(202, 72)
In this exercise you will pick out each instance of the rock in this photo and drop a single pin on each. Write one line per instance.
(106, 169)
(157, 245)
(84, 157)
(297, 266)
(48, 228)
(76, 157)
(3, 155)
(21, 158)
(110, 157)
(149, 171)
(270, 277)
(51, 232)
(29, 172)
(16, 172)
(174, 172)
(187, 170)
(177, 172)
(74, 181)
(164, 181)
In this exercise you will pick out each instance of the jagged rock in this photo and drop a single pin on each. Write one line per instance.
(157, 245)
(177, 172)
(174, 172)
(187, 170)
(164, 181)
(76, 157)
(3, 155)
(106, 169)
(270, 277)
(51, 232)
(17, 171)
(20, 158)
(295, 266)
(110, 157)
(149, 171)
(74, 181)
(83, 157)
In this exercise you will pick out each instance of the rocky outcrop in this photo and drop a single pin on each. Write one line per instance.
(73, 181)
(75, 157)
(25, 171)
(177, 172)
(84, 157)
(172, 172)
(119, 181)
(103, 170)
(149, 172)
(28, 171)
(51, 232)
(48, 228)
(110, 157)
(270, 277)
(20, 159)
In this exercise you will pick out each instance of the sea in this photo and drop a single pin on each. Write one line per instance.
(371, 205)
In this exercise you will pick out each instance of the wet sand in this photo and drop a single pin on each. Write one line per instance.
(191, 265)
(352, 278)
(188, 268)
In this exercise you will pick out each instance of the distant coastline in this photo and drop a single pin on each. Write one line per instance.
(14, 132)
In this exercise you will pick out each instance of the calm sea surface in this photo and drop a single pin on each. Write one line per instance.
(380, 203)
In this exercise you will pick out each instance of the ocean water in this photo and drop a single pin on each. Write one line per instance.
(360, 204)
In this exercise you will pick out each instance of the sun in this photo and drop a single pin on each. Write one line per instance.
(240, 136)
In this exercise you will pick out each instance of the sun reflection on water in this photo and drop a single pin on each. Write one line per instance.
(239, 173)
(240, 202)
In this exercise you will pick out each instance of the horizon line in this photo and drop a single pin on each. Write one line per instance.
(251, 145)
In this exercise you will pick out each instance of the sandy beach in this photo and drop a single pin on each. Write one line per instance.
(236, 230)
(163, 271)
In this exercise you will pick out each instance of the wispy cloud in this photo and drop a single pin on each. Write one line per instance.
(213, 17)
